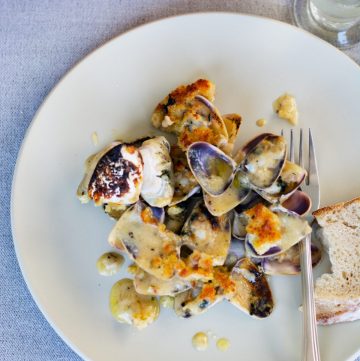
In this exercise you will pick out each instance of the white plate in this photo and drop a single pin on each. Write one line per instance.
(113, 92)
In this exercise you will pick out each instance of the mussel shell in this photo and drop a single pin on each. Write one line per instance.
(235, 194)
(207, 234)
(252, 292)
(211, 167)
(146, 284)
(293, 228)
(147, 242)
(288, 262)
(264, 161)
(158, 177)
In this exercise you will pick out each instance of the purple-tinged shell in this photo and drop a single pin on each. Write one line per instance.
(211, 167)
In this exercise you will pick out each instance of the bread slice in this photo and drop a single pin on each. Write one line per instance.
(337, 294)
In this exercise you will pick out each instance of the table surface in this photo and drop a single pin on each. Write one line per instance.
(39, 42)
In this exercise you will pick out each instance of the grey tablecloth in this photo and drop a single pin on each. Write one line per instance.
(39, 42)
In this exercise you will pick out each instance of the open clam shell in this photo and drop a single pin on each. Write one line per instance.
(189, 113)
(264, 158)
(270, 232)
(290, 179)
(252, 292)
(240, 220)
(170, 114)
(205, 294)
(207, 234)
(113, 175)
(288, 262)
(147, 242)
(235, 194)
(158, 177)
(211, 167)
(185, 184)
(232, 123)
(177, 214)
(299, 202)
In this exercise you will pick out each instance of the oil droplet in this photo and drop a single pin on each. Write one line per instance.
(261, 122)
(223, 344)
(109, 263)
(95, 138)
(200, 341)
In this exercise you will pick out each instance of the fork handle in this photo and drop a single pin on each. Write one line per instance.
(310, 350)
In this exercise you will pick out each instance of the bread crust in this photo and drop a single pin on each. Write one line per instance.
(335, 207)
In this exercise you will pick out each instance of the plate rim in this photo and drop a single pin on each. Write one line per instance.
(58, 84)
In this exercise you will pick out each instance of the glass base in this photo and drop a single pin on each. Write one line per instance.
(340, 38)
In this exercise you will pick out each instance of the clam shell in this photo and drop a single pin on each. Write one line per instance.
(252, 292)
(147, 242)
(207, 234)
(205, 294)
(288, 262)
(235, 194)
(158, 176)
(232, 123)
(177, 214)
(185, 184)
(240, 220)
(275, 232)
(264, 159)
(290, 179)
(299, 202)
(211, 167)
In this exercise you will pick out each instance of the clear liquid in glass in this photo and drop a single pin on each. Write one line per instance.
(335, 14)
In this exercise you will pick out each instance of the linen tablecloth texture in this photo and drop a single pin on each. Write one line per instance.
(39, 42)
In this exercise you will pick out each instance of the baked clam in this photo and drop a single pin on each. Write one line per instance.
(272, 231)
(263, 160)
(289, 180)
(207, 234)
(147, 241)
(189, 113)
(113, 175)
(158, 177)
(185, 184)
(252, 293)
(205, 294)
(212, 168)
(288, 262)
(234, 195)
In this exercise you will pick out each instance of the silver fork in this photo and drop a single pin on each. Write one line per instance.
(311, 186)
